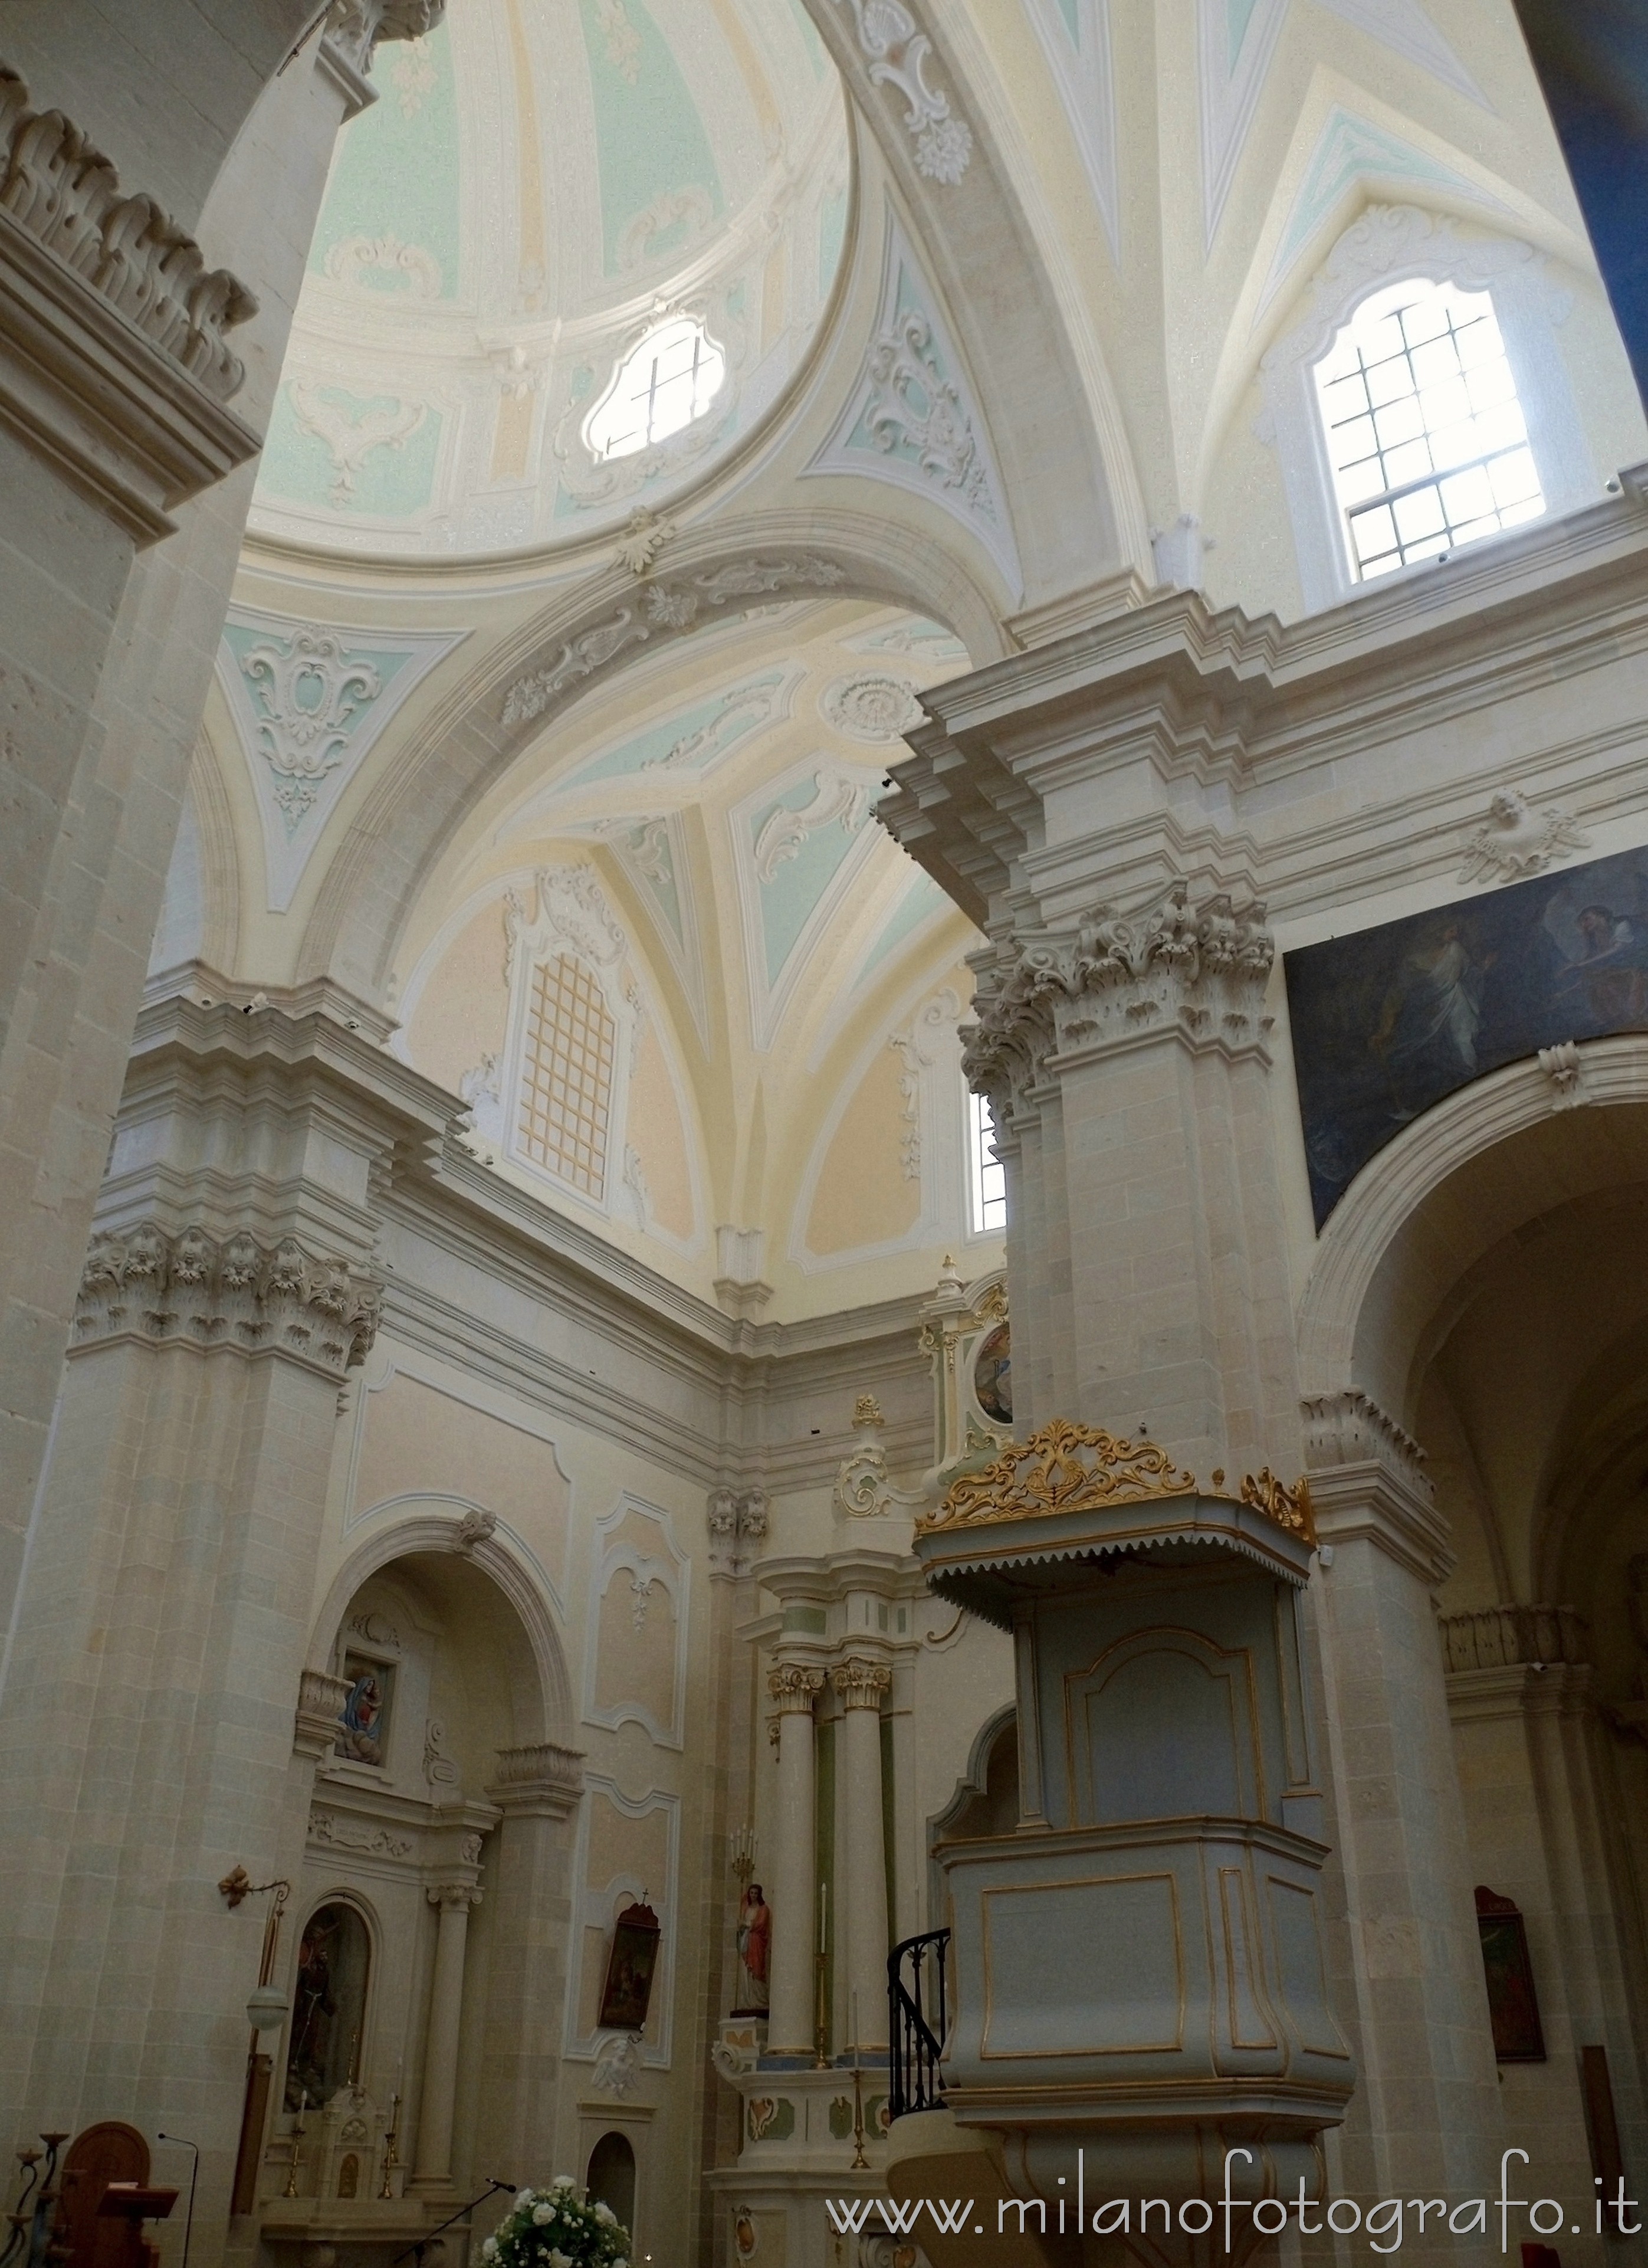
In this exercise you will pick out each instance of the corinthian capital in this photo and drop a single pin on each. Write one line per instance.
(794, 1686)
(1197, 972)
(861, 1684)
(189, 1289)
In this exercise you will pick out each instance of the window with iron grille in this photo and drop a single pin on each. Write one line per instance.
(567, 1064)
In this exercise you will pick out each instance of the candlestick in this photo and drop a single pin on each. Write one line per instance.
(823, 1915)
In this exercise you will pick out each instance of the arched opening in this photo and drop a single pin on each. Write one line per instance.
(329, 2014)
(611, 2177)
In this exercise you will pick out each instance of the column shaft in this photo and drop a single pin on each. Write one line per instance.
(440, 2049)
(793, 1896)
(863, 1877)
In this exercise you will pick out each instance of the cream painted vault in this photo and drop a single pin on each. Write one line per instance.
(630, 605)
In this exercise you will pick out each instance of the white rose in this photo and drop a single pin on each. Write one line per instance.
(522, 2198)
(559, 2260)
(489, 2250)
(606, 2217)
(542, 2213)
(564, 2182)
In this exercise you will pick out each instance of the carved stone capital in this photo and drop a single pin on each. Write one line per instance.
(452, 1897)
(1367, 1480)
(320, 1700)
(1198, 973)
(355, 28)
(189, 1290)
(861, 1684)
(794, 1686)
(113, 358)
(738, 1521)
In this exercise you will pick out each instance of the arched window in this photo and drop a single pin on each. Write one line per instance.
(567, 1069)
(664, 383)
(987, 1179)
(1426, 435)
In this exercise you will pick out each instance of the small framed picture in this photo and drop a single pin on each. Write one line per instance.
(1513, 2003)
(628, 1991)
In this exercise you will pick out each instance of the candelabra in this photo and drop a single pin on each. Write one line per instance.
(298, 2132)
(386, 2188)
(742, 1855)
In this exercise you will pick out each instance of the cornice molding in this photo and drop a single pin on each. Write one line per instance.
(113, 363)
(1367, 1483)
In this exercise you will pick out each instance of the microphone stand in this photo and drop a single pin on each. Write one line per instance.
(415, 2248)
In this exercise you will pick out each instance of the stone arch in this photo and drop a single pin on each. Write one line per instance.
(447, 1530)
(1468, 1173)
(403, 826)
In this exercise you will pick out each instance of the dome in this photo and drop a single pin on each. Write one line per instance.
(565, 262)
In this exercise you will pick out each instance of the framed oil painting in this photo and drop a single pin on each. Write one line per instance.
(626, 1993)
(1513, 2003)
(1389, 1020)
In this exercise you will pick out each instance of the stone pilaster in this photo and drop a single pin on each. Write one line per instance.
(1427, 2113)
(861, 1687)
(793, 1891)
(537, 1789)
(167, 1614)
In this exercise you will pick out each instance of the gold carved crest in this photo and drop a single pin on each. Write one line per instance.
(1064, 1467)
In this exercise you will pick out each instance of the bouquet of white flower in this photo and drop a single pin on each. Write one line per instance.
(557, 2229)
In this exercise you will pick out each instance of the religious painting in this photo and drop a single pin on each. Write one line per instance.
(1389, 1020)
(363, 1719)
(754, 1951)
(1512, 2005)
(628, 1990)
(992, 1375)
(329, 2004)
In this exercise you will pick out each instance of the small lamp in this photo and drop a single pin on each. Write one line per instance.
(266, 2008)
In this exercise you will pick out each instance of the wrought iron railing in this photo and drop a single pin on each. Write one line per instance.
(916, 2009)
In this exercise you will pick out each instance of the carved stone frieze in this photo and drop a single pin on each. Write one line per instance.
(1351, 1429)
(114, 355)
(738, 1521)
(1199, 972)
(542, 1777)
(1368, 1484)
(1515, 840)
(67, 196)
(342, 1831)
(1503, 1638)
(190, 1290)
(320, 1700)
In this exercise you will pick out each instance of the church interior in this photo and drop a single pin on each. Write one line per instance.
(824, 1099)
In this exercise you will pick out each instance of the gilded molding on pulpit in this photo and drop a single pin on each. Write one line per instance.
(1063, 1467)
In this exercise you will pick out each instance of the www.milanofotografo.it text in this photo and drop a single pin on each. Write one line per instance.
(1384, 2223)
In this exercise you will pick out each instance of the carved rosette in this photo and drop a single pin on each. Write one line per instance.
(794, 1686)
(861, 1684)
(189, 1290)
(1198, 972)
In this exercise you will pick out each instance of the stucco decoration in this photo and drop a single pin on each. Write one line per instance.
(536, 191)
(800, 842)
(1237, 41)
(628, 1847)
(636, 1644)
(873, 706)
(914, 419)
(1515, 840)
(1075, 36)
(897, 53)
(308, 702)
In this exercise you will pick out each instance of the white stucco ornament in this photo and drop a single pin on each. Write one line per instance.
(873, 706)
(1515, 840)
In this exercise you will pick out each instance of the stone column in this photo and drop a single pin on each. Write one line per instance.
(433, 2162)
(793, 1893)
(537, 1790)
(861, 1686)
(1427, 2113)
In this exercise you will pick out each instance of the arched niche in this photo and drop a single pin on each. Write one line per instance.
(610, 2178)
(331, 1987)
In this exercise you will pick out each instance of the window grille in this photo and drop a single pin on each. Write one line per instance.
(662, 384)
(567, 1075)
(1426, 434)
(988, 1177)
